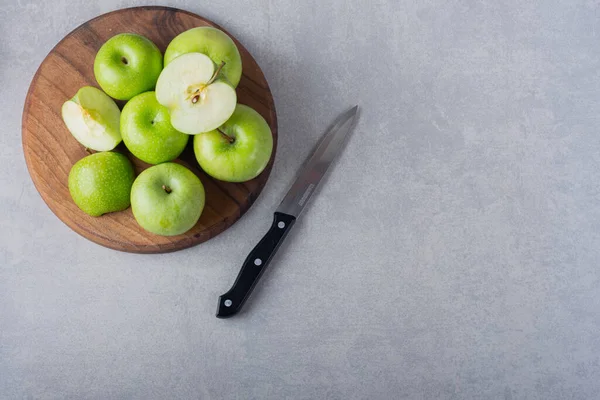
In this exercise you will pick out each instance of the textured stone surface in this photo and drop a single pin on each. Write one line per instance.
(453, 253)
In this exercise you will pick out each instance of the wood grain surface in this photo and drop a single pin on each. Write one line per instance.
(50, 150)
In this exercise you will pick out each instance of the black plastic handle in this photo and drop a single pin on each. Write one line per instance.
(254, 266)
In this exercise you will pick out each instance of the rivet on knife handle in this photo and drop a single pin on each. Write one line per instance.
(254, 266)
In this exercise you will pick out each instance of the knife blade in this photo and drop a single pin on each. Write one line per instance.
(286, 214)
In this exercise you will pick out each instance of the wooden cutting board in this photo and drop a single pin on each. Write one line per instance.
(50, 150)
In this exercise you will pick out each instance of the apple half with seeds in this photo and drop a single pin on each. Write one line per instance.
(198, 97)
(93, 119)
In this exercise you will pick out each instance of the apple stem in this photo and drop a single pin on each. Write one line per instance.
(199, 92)
(87, 150)
(166, 189)
(218, 70)
(226, 136)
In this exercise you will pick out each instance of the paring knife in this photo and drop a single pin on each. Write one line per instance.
(290, 208)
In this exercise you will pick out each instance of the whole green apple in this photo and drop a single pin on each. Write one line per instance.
(93, 119)
(167, 199)
(237, 151)
(101, 183)
(126, 65)
(213, 42)
(147, 131)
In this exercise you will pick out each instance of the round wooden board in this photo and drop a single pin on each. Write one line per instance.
(50, 150)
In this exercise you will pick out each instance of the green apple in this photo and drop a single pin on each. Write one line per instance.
(197, 97)
(212, 42)
(126, 65)
(237, 151)
(100, 183)
(147, 131)
(167, 199)
(93, 119)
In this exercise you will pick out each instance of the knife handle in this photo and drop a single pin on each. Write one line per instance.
(254, 266)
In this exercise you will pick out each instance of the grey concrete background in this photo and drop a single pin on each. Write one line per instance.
(454, 252)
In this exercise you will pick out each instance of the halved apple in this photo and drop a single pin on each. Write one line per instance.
(93, 119)
(198, 97)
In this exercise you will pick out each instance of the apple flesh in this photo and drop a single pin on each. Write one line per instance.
(237, 151)
(127, 65)
(167, 199)
(93, 119)
(101, 183)
(216, 44)
(147, 131)
(197, 98)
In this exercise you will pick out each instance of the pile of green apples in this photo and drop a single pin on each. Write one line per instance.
(193, 95)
